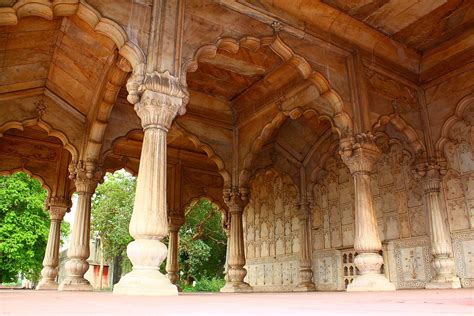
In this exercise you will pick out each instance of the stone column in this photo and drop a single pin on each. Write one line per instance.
(236, 201)
(361, 159)
(443, 261)
(306, 272)
(172, 267)
(58, 206)
(158, 106)
(86, 175)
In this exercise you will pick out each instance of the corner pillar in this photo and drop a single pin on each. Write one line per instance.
(86, 175)
(236, 201)
(162, 98)
(305, 272)
(58, 206)
(441, 249)
(361, 159)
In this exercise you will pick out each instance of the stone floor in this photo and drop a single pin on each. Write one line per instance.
(415, 302)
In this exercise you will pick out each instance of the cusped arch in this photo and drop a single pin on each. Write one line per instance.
(220, 207)
(403, 127)
(211, 154)
(334, 110)
(37, 177)
(269, 130)
(20, 125)
(458, 116)
(316, 172)
(62, 8)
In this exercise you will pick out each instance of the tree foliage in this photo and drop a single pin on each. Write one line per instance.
(112, 207)
(24, 227)
(202, 244)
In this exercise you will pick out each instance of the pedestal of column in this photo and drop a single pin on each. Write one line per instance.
(443, 261)
(172, 266)
(236, 201)
(86, 175)
(57, 208)
(159, 104)
(306, 283)
(361, 159)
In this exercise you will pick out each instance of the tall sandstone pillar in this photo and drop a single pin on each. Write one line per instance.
(158, 106)
(86, 176)
(58, 206)
(441, 248)
(236, 201)
(361, 160)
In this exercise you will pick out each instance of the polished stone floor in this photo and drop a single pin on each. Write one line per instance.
(414, 302)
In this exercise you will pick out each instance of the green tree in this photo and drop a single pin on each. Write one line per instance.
(24, 227)
(112, 207)
(202, 244)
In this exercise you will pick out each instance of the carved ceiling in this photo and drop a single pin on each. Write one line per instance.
(297, 137)
(421, 25)
(247, 78)
(64, 55)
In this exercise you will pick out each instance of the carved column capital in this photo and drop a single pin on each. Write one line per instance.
(363, 155)
(86, 175)
(162, 97)
(175, 222)
(431, 172)
(236, 199)
(58, 206)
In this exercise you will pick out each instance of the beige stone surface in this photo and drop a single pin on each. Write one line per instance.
(335, 136)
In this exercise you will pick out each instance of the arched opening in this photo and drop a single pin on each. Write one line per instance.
(24, 228)
(202, 247)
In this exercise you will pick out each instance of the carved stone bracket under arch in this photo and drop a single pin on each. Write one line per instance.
(403, 127)
(20, 125)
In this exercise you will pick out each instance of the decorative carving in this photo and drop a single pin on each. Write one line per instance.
(40, 109)
(272, 214)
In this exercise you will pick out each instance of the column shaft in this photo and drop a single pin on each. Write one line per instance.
(305, 271)
(361, 161)
(87, 176)
(172, 266)
(157, 108)
(443, 261)
(51, 256)
(236, 202)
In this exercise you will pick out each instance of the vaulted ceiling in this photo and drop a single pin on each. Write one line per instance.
(63, 55)
(421, 25)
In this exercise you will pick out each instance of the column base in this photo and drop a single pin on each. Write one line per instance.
(305, 287)
(450, 284)
(75, 284)
(47, 285)
(145, 282)
(237, 287)
(370, 282)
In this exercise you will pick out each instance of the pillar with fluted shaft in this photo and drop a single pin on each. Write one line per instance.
(305, 283)
(361, 159)
(443, 261)
(58, 206)
(236, 201)
(86, 176)
(172, 267)
(158, 106)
